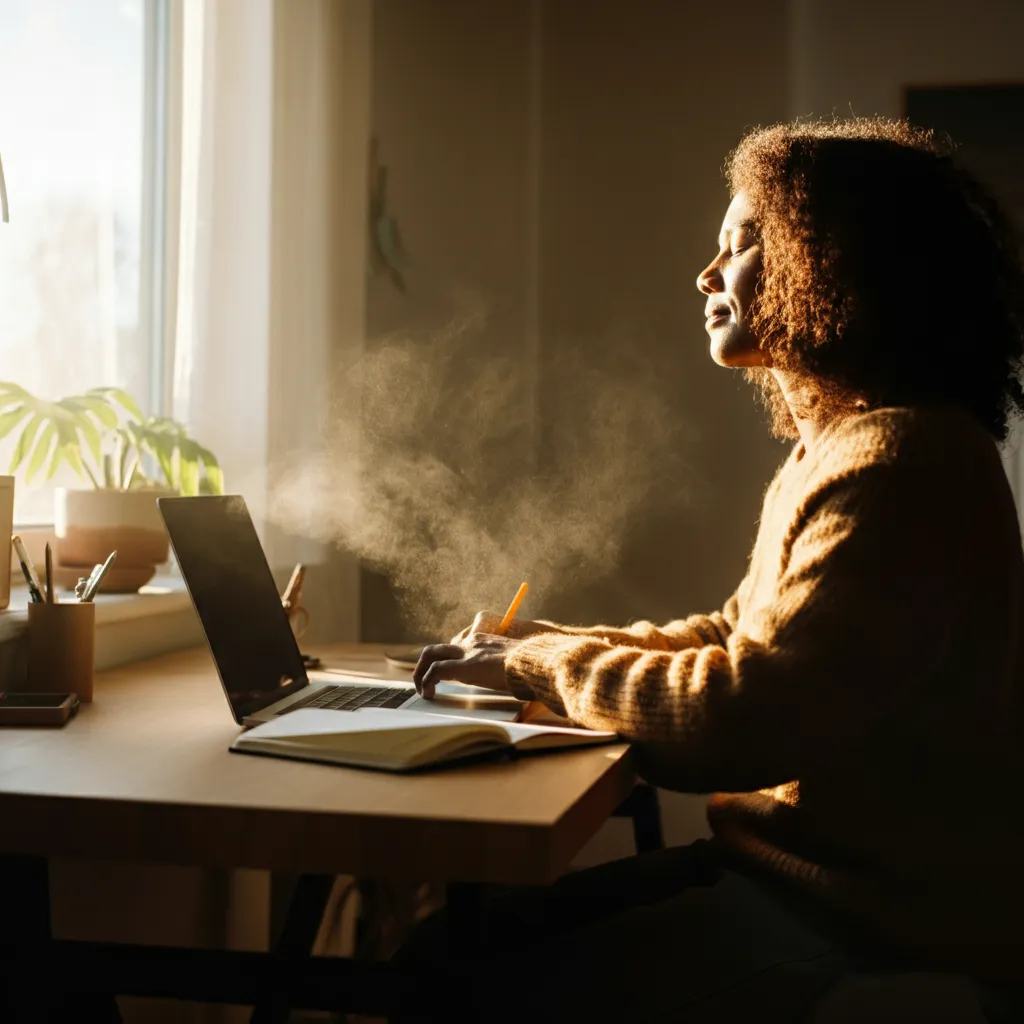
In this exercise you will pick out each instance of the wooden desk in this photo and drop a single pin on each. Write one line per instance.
(144, 774)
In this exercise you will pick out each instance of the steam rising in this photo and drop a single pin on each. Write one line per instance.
(462, 475)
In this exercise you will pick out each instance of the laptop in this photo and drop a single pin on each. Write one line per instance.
(258, 660)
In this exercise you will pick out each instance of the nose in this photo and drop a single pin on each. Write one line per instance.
(709, 280)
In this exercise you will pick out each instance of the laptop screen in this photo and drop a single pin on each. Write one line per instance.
(235, 596)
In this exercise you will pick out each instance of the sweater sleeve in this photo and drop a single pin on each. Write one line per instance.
(693, 631)
(857, 618)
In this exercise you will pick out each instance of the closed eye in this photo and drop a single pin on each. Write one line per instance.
(737, 250)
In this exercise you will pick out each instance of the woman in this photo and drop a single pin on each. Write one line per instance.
(856, 707)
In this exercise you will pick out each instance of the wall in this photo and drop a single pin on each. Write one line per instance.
(859, 56)
(637, 121)
(451, 106)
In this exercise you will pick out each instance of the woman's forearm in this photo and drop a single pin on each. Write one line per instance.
(693, 631)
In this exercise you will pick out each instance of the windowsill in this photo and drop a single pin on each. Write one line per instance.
(161, 595)
(129, 627)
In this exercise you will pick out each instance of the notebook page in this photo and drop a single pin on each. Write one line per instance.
(522, 735)
(317, 722)
(381, 737)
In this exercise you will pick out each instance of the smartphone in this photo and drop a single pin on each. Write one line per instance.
(37, 708)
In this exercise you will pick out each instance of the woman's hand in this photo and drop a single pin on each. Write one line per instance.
(479, 659)
(488, 622)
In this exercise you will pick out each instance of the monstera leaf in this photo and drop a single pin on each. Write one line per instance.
(52, 433)
(75, 431)
(186, 466)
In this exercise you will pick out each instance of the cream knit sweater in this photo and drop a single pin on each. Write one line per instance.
(857, 707)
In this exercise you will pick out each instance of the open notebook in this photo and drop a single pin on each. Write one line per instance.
(401, 741)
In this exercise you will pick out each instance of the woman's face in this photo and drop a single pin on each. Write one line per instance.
(729, 282)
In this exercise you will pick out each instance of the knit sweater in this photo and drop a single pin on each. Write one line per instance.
(856, 707)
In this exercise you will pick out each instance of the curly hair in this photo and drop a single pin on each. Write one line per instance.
(889, 272)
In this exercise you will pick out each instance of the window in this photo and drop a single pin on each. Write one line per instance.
(81, 129)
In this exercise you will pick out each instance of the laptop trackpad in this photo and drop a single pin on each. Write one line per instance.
(449, 688)
(498, 709)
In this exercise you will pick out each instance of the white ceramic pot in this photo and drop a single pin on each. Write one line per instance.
(90, 524)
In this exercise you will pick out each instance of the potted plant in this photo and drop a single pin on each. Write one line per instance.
(128, 459)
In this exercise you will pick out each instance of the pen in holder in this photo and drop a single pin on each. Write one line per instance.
(291, 600)
(61, 647)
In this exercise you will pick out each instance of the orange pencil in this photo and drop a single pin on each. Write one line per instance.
(512, 609)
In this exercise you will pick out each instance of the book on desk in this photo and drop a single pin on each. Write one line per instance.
(401, 741)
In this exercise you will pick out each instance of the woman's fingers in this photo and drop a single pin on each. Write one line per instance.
(479, 658)
(428, 657)
(456, 670)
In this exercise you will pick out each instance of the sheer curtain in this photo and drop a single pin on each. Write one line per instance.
(221, 339)
(266, 260)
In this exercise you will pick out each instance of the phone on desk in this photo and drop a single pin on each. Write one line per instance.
(37, 708)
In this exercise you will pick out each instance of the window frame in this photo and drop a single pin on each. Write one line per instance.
(155, 176)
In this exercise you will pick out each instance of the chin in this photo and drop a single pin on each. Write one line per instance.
(735, 349)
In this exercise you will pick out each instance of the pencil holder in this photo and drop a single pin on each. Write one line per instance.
(61, 647)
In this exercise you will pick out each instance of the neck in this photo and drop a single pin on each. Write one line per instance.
(811, 407)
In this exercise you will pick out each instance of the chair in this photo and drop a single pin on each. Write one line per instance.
(879, 997)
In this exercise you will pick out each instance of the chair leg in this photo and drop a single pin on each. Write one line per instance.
(647, 833)
(297, 937)
(642, 807)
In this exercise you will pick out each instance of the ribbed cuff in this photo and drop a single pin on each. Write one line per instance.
(531, 667)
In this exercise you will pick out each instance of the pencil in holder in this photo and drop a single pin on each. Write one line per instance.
(61, 648)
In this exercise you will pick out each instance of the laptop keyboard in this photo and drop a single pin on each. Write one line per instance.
(349, 698)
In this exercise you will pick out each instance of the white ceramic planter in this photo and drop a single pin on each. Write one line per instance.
(90, 524)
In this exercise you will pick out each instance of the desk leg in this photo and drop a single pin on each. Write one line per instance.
(24, 927)
(467, 918)
(28, 995)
